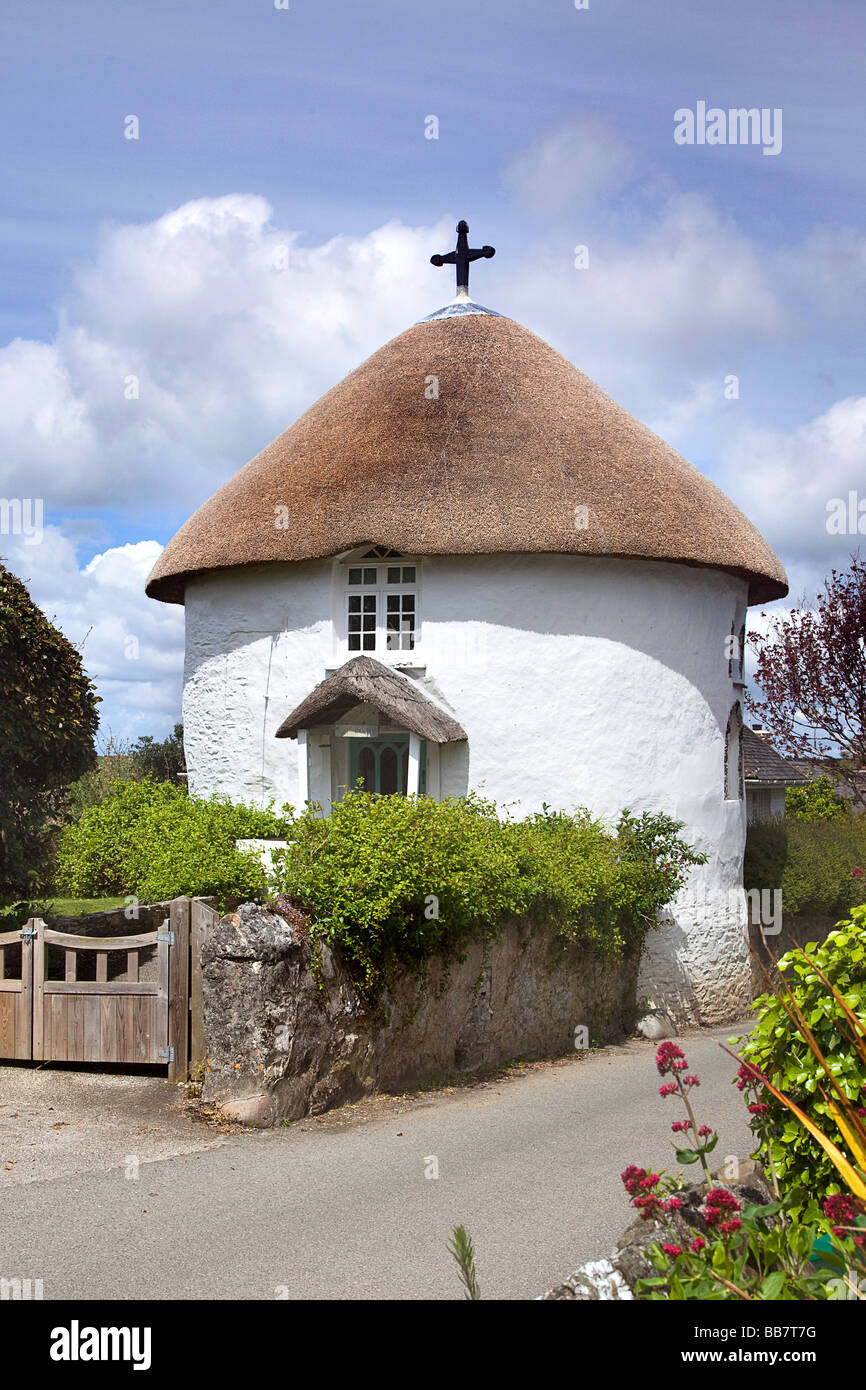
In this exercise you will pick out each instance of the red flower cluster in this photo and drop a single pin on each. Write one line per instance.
(844, 1209)
(670, 1058)
(697, 1245)
(856, 873)
(749, 1076)
(758, 1108)
(641, 1186)
(718, 1211)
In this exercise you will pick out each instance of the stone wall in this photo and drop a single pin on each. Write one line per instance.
(280, 1044)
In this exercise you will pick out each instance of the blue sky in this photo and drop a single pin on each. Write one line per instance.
(303, 129)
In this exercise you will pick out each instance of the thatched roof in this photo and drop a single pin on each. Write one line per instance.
(495, 456)
(363, 681)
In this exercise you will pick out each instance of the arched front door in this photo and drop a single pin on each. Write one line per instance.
(383, 764)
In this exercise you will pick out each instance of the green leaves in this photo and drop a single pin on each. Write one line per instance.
(777, 1049)
(48, 719)
(153, 840)
(367, 874)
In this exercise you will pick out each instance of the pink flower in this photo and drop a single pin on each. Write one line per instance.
(672, 1250)
(673, 1204)
(728, 1227)
(670, 1058)
(681, 1126)
(718, 1209)
(758, 1108)
(670, 1088)
(704, 1132)
(856, 873)
(697, 1245)
(843, 1209)
(749, 1076)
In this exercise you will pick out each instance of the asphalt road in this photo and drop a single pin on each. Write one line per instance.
(530, 1165)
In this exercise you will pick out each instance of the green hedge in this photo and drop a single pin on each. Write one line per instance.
(388, 877)
(776, 1048)
(153, 840)
(393, 878)
(813, 862)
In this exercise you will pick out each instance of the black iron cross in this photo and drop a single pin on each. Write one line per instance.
(463, 257)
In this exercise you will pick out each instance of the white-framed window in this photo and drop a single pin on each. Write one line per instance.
(379, 601)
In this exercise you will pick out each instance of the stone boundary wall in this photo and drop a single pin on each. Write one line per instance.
(280, 1044)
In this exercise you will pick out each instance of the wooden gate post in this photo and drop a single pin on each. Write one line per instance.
(178, 997)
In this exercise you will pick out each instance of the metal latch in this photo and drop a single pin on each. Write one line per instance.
(29, 933)
(167, 1053)
(166, 936)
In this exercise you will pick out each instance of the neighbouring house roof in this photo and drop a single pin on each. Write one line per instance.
(468, 435)
(365, 681)
(761, 762)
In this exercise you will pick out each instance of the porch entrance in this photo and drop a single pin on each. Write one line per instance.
(383, 764)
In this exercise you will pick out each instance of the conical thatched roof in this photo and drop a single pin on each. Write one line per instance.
(467, 434)
(363, 681)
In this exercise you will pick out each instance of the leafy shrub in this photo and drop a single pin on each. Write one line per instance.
(394, 878)
(121, 761)
(719, 1245)
(813, 862)
(152, 840)
(778, 1050)
(113, 764)
(48, 719)
(816, 799)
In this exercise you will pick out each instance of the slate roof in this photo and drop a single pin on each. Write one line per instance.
(761, 762)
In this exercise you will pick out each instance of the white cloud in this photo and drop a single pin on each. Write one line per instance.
(573, 165)
(131, 647)
(190, 342)
(232, 327)
(784, 482)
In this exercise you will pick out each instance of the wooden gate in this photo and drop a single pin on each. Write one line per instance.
(87, 998)
(16, 994)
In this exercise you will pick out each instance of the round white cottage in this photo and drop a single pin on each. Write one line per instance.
(466, 567)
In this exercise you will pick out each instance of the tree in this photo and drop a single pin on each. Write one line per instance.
(816, 800)
(812, 674)
(164, 762)
(48, 718)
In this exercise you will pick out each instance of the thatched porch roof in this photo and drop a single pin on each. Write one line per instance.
(365, 681)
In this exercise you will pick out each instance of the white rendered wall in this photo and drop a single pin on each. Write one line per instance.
(594, 682)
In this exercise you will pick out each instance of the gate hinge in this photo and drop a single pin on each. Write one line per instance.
(167, 1053)
(166, 936)
(29, 933)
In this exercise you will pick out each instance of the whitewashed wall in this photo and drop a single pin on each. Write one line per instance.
(594, 682)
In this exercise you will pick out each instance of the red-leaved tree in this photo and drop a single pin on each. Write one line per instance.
(812, 674)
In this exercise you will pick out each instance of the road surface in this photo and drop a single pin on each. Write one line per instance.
(342, 1209)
